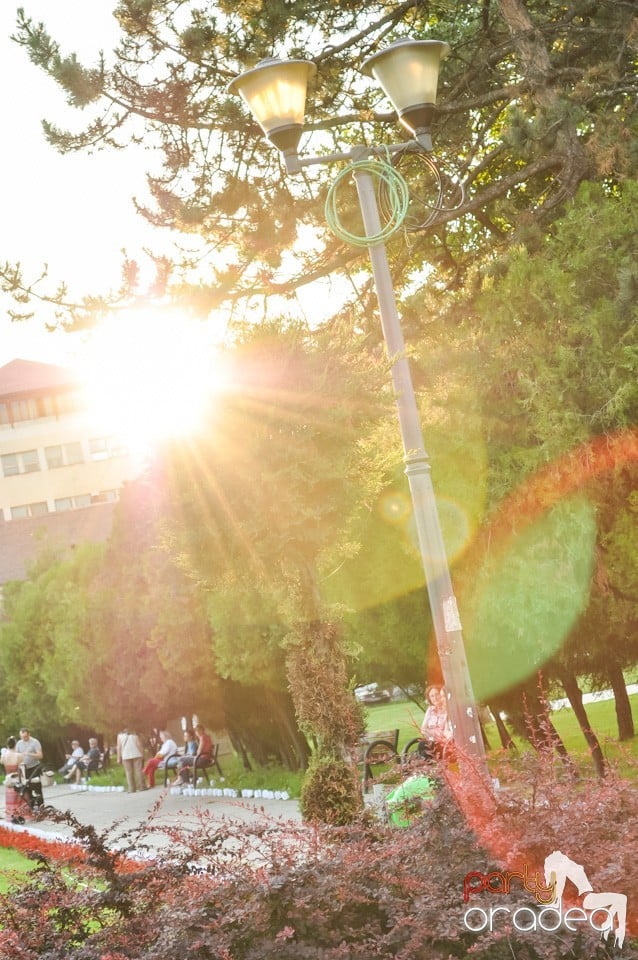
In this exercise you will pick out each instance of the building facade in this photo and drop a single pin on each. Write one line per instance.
(53, 459)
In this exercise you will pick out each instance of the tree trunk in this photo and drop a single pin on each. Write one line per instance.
(293, 749)
(543, 735)
(238, 746)
(575, 696)
(533, 51)
(624, 717)
(503, 732)
(486, 742)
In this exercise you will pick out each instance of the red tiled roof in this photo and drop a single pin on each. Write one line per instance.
(29, 376)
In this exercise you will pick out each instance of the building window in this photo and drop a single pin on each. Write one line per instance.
(25, 462)
(72, 503)
(103, 448)
(69, 402)
(98, 448)
(63, 454)
(47, 407)
(85, 500)
(54, 456)
(104, 496)
(29, 510)
(37, 408)
(24, 409)
(30, 461)
(10, 465)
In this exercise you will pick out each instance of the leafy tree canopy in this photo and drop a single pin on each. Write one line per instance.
(544, 362)
(114, 634)
(534, 98)
(269, 499)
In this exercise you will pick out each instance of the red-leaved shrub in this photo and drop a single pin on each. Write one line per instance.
(269, 889)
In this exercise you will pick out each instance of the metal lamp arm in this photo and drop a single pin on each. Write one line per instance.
(295, 163)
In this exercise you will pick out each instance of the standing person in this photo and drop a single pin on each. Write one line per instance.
(167, 748)
(131, 755)
(31, 756)
(30, 750)
(11, 760)
(436, 728)
(9, 756)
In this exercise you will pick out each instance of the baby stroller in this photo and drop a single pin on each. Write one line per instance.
(26, 785)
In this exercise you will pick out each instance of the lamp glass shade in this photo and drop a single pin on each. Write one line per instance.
(275, 92)
(408, 71)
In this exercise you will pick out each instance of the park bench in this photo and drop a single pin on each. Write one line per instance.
(376, 749)
(99, 766)
(201, 763)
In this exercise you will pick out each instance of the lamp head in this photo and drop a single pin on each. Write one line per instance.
(275, 93)
(408, 73)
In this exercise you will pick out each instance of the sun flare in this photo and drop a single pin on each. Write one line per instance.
(149, 376)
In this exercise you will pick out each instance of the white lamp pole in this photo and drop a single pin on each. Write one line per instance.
(275, 92)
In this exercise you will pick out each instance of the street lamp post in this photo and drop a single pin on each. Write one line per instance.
(275, 92)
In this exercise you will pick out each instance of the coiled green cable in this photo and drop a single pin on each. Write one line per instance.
(397, 199)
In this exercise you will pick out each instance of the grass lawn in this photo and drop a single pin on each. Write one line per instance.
(406, 717)
(403, 715)
(12, 861)
(271, 777)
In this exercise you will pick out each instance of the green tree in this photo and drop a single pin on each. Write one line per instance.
(118, 633)
(519, 322)
(608, 633)
(113, 634)
(265, 502)
(535, 98)
(43, 684)
(383, 585)
(544, 357)
(148, 642)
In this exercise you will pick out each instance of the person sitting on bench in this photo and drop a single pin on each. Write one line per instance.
(88, 762)
(71, 759)
(202, 758)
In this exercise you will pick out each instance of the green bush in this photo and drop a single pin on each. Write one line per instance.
(330, 792)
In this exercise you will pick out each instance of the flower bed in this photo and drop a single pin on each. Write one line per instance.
(61, 850)
(28, 840)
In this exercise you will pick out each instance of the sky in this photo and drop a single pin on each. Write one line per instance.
(74, 212)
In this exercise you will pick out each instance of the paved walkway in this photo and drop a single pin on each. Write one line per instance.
(120, 812)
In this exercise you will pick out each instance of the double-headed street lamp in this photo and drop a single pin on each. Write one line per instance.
(407, 71)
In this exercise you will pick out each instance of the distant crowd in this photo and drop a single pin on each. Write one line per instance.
(27, 751)
(197, 747)
(24, 756)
